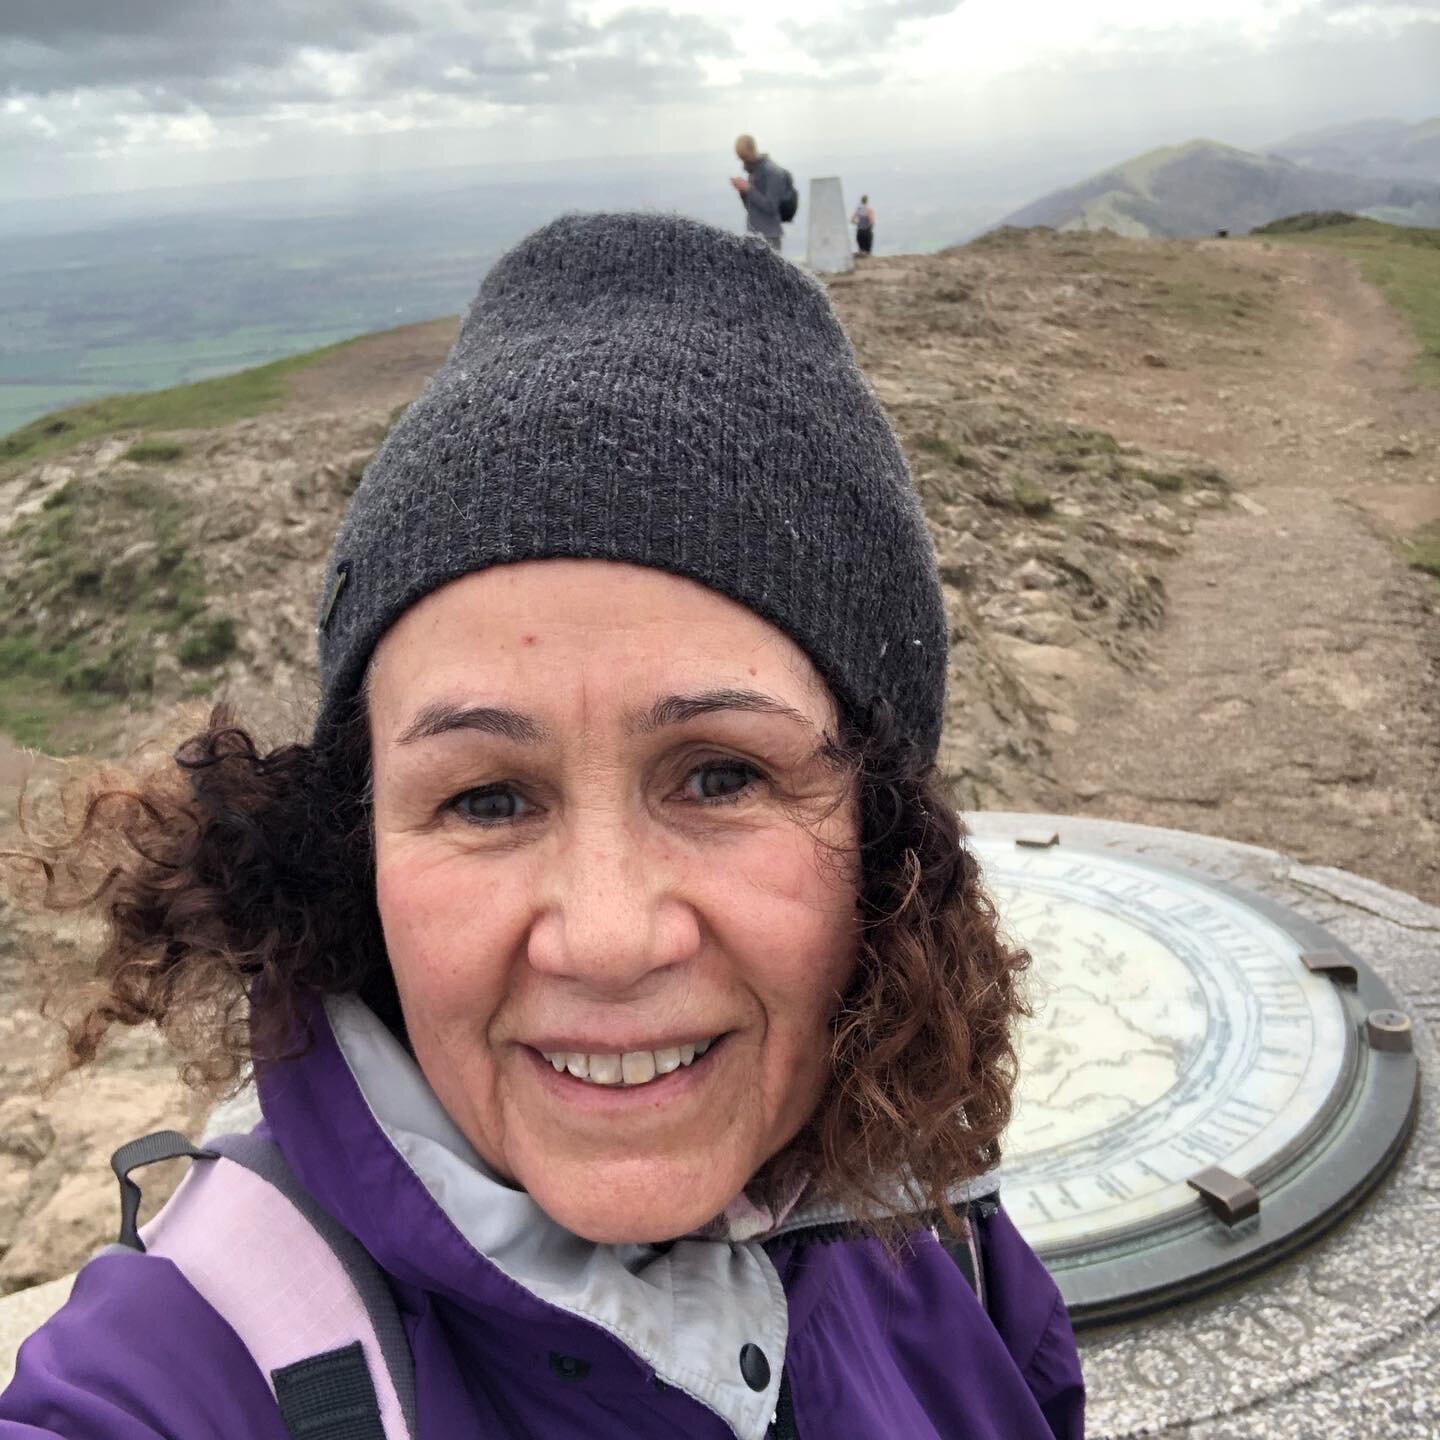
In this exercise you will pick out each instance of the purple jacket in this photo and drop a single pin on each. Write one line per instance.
(493, 1294)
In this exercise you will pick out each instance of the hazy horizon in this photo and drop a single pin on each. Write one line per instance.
(189, 189)
(138, 290)
(103, 97)
(1061, 153)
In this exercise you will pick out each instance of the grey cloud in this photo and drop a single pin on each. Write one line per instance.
(1401, 33)
(862, 27)
(635, 53)
(53, 46)
(230, 57)
(335, 23)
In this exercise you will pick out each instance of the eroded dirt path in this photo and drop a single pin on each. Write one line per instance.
(1291, 699)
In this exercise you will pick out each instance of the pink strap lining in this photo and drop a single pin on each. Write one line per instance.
(261, 1266)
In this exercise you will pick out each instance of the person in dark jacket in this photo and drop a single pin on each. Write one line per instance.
(762, 189)
(610, 958)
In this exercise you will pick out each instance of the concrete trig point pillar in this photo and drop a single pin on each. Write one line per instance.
(830, 251)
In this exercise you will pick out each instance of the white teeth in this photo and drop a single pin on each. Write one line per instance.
(605, 1069)
(637, 1066)
(634, 1067)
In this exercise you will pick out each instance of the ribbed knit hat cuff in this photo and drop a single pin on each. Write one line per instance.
(646, 389)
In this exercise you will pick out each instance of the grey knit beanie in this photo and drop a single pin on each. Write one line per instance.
(647, 389)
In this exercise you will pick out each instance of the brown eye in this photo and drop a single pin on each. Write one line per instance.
(722, 780)
(493, 805)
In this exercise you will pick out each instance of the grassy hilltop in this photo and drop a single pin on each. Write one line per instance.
(1403, 260)
(1203, 186)
(123, 584)
(135, 528)
(196, 406)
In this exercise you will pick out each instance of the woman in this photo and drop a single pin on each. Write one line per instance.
(864, 222)
(616, 975)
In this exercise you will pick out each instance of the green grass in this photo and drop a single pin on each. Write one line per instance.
(1079, 448)
(211, 641)
(1165, 480)
(19, 404)
(99, 583)
(154, 452)
(1307, 222)
(1403, 261)
(1199, 300)
(946, 450)
(1031, 500)
(1422, 550)
(197, 406)
(34, 714)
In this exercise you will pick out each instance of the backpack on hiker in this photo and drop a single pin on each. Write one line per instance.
(789, 197)
(313, 1309)
(304, 1297)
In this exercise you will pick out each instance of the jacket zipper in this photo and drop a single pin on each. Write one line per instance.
(783, 1426)
(826, 1231)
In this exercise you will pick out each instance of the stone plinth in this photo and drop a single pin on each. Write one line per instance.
(830, 251)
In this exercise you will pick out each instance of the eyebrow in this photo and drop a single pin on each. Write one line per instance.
(677, 709)
(441, 717)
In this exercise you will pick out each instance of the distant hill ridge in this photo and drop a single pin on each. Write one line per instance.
(1394, 149)
(1203, 186)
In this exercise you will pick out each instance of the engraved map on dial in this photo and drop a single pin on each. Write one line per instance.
(1175, 1027)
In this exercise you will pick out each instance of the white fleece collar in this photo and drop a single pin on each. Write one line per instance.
(687, 1311)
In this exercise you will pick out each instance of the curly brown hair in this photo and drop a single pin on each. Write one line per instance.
(238, 884)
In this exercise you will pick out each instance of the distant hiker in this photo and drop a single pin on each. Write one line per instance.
(766, 190)
(864, 222)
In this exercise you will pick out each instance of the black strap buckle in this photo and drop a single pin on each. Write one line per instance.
(162, 1145)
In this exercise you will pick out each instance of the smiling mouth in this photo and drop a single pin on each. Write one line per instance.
(629, 1068)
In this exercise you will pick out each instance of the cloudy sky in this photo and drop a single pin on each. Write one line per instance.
(129, 94)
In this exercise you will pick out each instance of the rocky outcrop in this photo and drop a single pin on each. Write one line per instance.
(1051, 536)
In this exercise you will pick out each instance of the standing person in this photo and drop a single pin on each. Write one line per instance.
(766, 189)
(864, 222)
(626, 1005)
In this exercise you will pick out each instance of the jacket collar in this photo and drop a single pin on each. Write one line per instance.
(361, 1127)
(364, 1131)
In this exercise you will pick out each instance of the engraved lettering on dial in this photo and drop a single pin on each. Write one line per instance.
(1175, 1028)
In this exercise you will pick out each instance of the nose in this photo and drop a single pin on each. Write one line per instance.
(611, 913)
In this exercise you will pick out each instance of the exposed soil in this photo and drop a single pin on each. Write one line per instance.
(379, 373)
(1164, 480)
(1292, 698)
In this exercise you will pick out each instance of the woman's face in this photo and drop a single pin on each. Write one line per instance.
(611, 864)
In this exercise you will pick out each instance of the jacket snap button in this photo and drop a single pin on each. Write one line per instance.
(568, 1367)
(754, 1367)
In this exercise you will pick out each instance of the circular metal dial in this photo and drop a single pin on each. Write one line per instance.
(1178, 1036)
(1174, 1028)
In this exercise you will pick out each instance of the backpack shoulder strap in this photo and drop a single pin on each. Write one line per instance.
(313, 1309)
(966, 1249)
